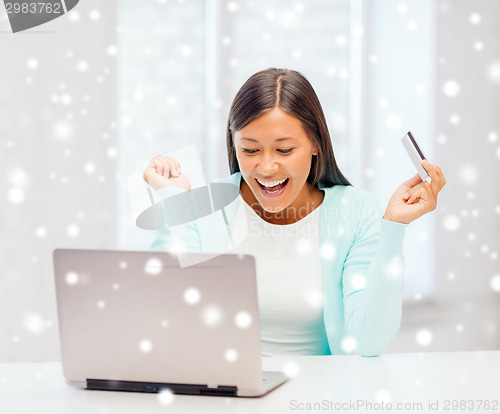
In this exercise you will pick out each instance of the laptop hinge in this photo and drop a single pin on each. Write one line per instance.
(154, 387)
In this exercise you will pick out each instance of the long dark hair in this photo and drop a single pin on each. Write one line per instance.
(292, 92)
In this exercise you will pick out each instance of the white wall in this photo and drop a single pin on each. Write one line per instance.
(62, 166)
(57, 163)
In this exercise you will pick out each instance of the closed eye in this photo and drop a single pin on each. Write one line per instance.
(280, 150)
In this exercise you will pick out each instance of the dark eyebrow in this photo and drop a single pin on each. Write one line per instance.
(279, 139)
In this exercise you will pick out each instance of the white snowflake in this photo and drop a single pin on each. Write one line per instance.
(33, 323)
(89, 168)
(349, 344)
(475, 18)
(383, 396)
(243, 319)
(186, 50)
(232, 6)
(40, 232)
(314, 298)
(166, 397)
(494, 71)
(291, 369)
(15, 195)
(468, 174)
(420, 90)
(341, 40)
(153, 266)
(94, 15)
(412, 25)
(32, 64)
(394, 121)
(299, 7)
(270, 14)
(63, 130)
(18, 177)
(145, 346)
(231, 355)
(212, 315)
(73, 230)
(358, 281)
(74, 16)
(303, 246)
(423, 337)
(112, 152)
(112, 50)
(454, 119)
(65, 99)
(395, 267)
(495, 283)
(82, 66)
(192, 296)
(451, 88)
(402, 8)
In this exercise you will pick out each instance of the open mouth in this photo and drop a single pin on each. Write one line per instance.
(273, 190)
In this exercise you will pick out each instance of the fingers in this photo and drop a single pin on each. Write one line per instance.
(437, 178)
(416, 195)
(413, 181)
(414, 192)
(166, 166)
(163, 165)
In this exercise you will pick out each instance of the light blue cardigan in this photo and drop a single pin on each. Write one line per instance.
(362, 263)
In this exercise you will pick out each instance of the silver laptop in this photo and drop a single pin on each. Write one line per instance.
(137, 321)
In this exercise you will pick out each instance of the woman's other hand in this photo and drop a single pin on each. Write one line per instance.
(163, 171)
(415, 197)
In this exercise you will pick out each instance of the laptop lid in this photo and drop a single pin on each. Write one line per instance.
(134, 316)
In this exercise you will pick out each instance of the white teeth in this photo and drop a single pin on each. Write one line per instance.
(271, 183)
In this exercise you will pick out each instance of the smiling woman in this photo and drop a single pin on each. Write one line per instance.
(329, 263)
(280, 140)
(275, 170)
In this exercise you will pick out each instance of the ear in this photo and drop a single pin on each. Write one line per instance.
(315, 150)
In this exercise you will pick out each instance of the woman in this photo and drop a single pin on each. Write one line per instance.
(329, 264)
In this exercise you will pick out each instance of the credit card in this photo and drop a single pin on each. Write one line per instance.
(415, 153)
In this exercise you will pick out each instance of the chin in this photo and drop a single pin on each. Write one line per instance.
(273, 209)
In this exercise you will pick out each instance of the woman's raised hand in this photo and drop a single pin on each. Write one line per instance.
(163, 171)
(415, 197)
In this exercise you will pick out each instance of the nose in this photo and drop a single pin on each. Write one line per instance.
(268, 164)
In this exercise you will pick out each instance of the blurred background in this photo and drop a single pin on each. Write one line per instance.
(93, 95)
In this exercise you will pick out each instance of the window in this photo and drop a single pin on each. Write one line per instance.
(179, 74)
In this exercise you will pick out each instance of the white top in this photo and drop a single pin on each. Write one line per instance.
(289, 283)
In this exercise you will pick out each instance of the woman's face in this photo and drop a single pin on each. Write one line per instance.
(274, 155)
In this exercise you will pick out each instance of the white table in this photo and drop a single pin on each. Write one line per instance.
(438, 378)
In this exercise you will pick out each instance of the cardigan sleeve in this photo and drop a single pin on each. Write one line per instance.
(184, 237)
(372, 280)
